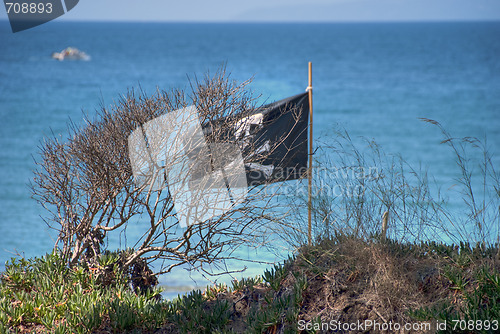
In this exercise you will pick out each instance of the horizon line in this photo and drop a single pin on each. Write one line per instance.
(273, 22)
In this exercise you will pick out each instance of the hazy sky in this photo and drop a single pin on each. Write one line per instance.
(282, 10)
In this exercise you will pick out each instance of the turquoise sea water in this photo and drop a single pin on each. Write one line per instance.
(375, 80)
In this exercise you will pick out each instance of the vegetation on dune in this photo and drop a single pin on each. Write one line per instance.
(386, 247)
(343, 278)
(44, 294)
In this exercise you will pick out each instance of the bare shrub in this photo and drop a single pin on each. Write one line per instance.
(86, 183)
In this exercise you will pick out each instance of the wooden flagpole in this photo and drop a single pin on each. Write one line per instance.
(309, 176)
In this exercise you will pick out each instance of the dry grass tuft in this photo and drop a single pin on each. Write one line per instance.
(352, 280)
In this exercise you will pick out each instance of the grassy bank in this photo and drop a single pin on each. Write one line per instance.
(392, 263)
(337, 281)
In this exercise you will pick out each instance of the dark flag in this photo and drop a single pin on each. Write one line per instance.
(212, 163)
(272, 139)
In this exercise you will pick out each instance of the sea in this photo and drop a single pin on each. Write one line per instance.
(375, 80)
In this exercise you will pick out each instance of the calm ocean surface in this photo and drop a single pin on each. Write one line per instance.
(375, 80)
